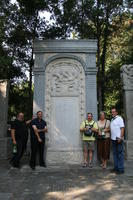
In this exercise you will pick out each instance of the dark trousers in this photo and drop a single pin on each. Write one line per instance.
(118, 155)
(35, 147)
(21, 146)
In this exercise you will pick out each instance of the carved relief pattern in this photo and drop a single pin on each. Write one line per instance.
(127, 76)
(64, 77)
(64, 82)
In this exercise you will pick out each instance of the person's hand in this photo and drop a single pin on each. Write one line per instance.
(84, 129)
(14, 142)
(45, 130)
(105, 130)
(39, 140)
(119, 140)
(99, 133)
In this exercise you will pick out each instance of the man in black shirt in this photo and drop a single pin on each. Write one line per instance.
(38, 130)
(19, 134)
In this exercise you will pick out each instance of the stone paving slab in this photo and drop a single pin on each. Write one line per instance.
(70, 182)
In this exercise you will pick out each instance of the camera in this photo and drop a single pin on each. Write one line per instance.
(88, 132)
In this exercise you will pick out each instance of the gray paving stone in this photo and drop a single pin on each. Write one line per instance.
(70, 182)
(5, 196)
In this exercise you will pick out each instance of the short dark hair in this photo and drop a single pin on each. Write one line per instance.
(89, 113)
(114, 107)
(38, 112)
(20, 113)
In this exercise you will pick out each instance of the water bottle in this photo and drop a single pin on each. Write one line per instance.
(14, 148)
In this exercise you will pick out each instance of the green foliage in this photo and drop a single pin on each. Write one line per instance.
(107, 21)
(120, 52)
(18, 99)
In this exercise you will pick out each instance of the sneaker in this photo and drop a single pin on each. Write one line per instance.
(90, 165)
(113, 170)
(15, 166)
(101, 165)
(104, 167)
(32, 167)
(43, 165)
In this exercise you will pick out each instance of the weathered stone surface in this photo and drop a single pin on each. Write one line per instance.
(3, 118)
(65, 90)
(3, 107)
(127, 78)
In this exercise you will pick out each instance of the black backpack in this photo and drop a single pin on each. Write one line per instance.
(89, 131)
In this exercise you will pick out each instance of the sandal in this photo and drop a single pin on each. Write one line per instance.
(104, 167)
(84, 165)
(101, 165)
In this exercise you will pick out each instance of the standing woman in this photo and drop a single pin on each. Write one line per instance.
(103, 141)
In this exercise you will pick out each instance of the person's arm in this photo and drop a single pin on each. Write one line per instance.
(28, 122)
(13, 136)
(45, 130)
(107, 130)
(95, 128)
(121, 135)
(122, 129)
(82, 127)
(122, 132)
(36, 132)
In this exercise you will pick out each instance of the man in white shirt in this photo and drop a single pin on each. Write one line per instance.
(117, 136)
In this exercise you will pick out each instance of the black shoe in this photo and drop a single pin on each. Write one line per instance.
(119, 172)
(32, 167)
(15, 165)
(113, 170)
(43, 165)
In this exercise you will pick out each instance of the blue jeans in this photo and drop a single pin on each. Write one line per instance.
(118, 155)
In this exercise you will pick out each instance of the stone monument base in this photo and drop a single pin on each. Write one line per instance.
(64, 156)
(5, 148)
(129, 149)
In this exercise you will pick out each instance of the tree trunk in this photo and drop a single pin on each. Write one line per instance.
(30, 84)
(103, 57)
(99, 91)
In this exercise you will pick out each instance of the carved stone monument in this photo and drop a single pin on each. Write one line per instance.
(65, 90)
(127, 78)
(3, 118)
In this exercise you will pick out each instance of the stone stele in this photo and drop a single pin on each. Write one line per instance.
(65, 90)
(127, 79)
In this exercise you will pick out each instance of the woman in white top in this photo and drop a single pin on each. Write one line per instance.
(103, 141)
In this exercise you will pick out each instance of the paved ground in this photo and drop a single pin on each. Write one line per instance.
(69, 182)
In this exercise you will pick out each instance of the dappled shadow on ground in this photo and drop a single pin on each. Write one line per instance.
(93, 185)
(65, 183)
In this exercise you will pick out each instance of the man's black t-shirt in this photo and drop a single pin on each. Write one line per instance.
(21, 130)
(40, 124)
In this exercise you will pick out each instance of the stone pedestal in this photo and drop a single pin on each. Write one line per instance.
(127, 78)
(3, 118)
(65, 90)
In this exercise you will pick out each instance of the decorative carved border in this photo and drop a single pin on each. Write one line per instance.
(81, 78)
(127, 77)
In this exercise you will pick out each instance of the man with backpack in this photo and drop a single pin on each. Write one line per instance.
(89, 129)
